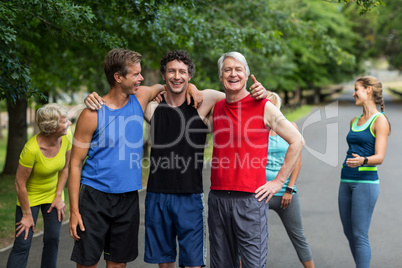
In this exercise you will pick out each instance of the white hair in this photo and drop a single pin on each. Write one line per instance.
(48, 116)
(237, 56)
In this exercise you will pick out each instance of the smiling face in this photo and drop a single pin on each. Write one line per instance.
(176, 76)
(63, 125)
(234, 76)
(360, 94)
(132, 80)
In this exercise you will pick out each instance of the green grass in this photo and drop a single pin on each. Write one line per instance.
(3, 149)
(298, 113)
(8, 200)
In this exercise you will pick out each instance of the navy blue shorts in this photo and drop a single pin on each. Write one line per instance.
(111, 224)
(168, 216)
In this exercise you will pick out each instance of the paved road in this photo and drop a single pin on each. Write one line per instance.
(324, 131)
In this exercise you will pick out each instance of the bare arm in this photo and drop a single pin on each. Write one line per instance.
(210, 97)
(149, 110)
(275, 119)
(86, 126)
(287, 197)
(147, 94)
(381, 131)
(27, 221)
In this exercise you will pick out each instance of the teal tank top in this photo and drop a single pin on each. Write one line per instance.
(277, 148)
(114, 161)
(361, 141)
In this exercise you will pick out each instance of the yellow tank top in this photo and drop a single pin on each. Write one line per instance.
(42, 182)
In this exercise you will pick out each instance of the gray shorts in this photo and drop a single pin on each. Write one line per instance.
(238, 228)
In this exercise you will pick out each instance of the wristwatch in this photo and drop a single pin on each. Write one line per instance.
(365, 161)
(289, 190)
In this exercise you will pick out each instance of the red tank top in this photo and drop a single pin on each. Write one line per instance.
(240, 145)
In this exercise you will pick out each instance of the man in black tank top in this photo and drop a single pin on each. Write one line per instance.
(178, 140)
(174, 205)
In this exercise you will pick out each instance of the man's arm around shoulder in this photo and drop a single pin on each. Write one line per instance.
(146, 94)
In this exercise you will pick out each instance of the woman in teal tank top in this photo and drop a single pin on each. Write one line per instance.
(286, 202)
(359, 187)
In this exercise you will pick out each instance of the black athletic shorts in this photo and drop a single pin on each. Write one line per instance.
(111, 224)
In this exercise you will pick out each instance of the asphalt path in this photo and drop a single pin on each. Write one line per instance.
(325, 132)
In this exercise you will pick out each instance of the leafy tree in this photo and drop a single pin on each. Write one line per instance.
(388, 34)
(276, 38)
(289, 44)
(49, 44)
(364, 5)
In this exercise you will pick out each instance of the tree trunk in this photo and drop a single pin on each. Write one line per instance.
(42, 101)
(17, 133)
(286, 98)
(298, 96)
(317, 95)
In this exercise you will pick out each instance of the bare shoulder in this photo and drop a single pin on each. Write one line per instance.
(87, 120)
(353, 119)
(269, 104)
(87, 114)
(381, 118)
(381, 122)
(271, 110)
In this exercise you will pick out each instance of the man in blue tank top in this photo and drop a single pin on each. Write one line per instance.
(105, 211)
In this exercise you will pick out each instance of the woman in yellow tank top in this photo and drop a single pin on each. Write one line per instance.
(40, 179)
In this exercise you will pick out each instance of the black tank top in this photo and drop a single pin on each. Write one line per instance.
(177, 154)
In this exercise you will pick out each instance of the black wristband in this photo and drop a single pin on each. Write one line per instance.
(289, 190)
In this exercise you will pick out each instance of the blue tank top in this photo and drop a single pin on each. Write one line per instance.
(114, 161)
(277, 148)
(361, 141)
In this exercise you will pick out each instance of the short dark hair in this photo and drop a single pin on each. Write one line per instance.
(118, 60)
(180, 55)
